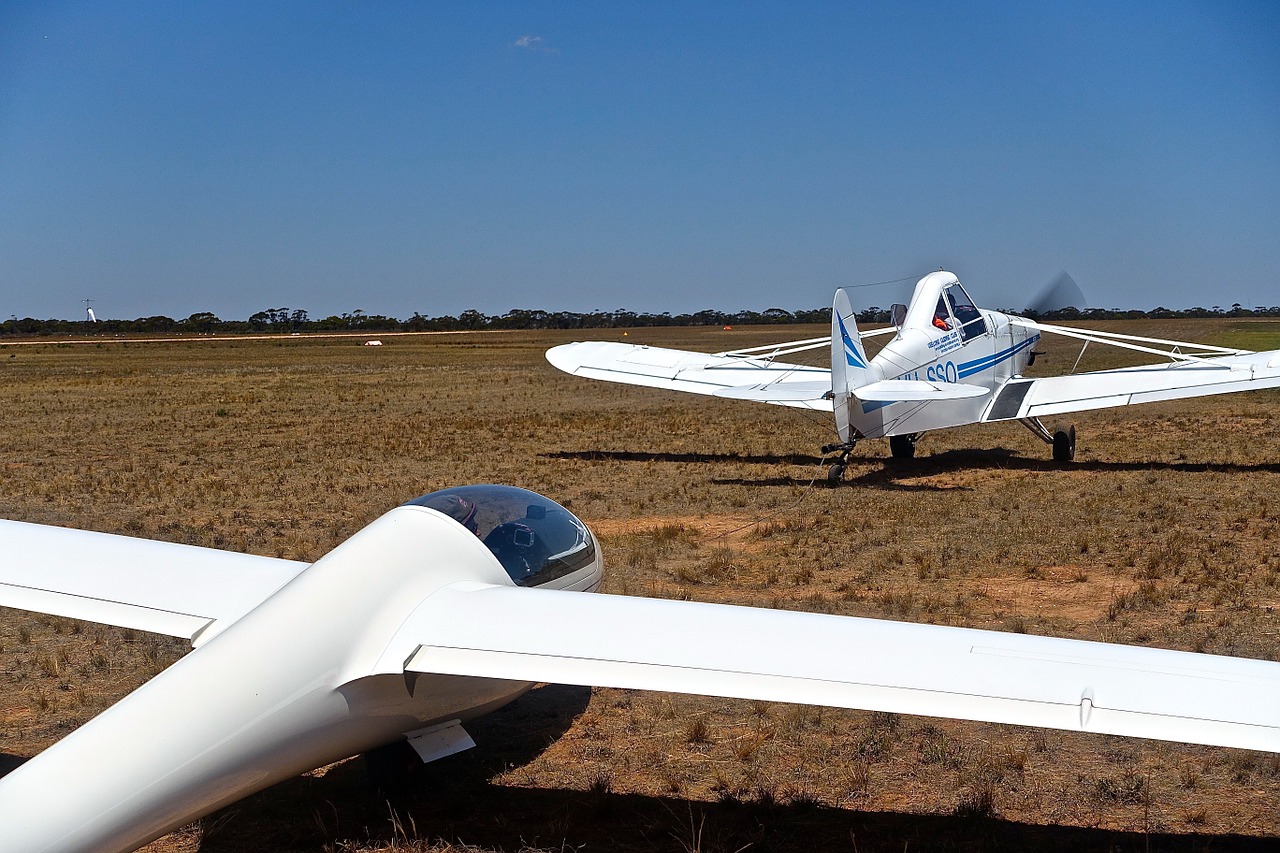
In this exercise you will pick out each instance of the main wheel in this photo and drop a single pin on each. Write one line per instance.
(835, 473)
(1064, 443)
(902, 446)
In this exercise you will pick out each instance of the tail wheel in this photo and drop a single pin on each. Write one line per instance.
(903, 446)
(1064, 442)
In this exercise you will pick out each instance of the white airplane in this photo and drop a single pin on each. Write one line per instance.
(454, 604)
(949, 364)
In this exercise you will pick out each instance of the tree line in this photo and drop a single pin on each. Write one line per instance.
(287, 321)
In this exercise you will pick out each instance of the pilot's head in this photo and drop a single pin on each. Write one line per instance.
(459, 509)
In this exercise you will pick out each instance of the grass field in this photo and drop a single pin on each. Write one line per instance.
(1166, 532)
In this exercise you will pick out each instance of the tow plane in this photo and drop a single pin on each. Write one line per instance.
(456, 603)
(948, 364)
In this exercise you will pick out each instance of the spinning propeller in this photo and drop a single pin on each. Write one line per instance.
(1059, 293)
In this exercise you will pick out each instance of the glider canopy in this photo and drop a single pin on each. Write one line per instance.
(534, 538)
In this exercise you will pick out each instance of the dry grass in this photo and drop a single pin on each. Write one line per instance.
(1165, 533)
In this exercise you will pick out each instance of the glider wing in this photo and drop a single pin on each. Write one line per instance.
(163, 587)
(783, 656)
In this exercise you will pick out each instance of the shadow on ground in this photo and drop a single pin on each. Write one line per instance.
(9, 763)
(454, 801)
(896, 474)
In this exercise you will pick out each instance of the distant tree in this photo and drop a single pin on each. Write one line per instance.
(155, 324)
(202, 322)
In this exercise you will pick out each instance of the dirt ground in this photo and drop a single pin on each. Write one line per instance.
(1164, 532)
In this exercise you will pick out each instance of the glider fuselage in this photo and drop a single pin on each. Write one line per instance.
(291, 686)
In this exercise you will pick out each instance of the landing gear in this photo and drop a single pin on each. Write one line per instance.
(903, 446)
(835, 473)
(1064, 442)
(1062, 439)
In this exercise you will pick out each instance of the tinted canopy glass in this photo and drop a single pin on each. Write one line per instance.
(970, 318)
(534, 538)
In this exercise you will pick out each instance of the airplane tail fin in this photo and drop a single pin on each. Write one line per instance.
(848, 360)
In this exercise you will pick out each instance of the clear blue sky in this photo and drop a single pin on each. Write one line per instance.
(169, 158)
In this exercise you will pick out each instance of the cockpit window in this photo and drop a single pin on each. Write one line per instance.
(966, 313)
(941, 318)
(534, 538)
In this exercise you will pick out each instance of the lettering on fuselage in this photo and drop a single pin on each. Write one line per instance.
(945, 371)
(946, 343)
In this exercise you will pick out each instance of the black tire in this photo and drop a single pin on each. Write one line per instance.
(1064, 443)
(835, 474)
(902, 446)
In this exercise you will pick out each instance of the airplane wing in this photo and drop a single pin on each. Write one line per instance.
(783, 656)
(1053, 395)
(163, 587)
(742, 376)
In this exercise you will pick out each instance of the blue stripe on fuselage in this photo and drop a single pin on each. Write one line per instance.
(978, 365)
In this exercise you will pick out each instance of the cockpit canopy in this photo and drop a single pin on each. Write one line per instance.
(941, 302)
(534, 538)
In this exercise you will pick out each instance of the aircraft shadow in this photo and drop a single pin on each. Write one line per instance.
(9, 763)
(894, 474)
(921, 466)
(1000, 458)
(455, 802)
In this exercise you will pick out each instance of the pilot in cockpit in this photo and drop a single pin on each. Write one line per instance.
(536, 540)
(459, 509)
(941, 318)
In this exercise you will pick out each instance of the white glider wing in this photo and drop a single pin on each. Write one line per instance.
(163, 587)
(741, 376)
(742, 652)
(1053, 395)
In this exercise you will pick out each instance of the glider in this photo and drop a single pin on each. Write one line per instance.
(949, 363)
(456, 603)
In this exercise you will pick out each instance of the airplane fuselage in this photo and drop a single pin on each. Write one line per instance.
(985, 354)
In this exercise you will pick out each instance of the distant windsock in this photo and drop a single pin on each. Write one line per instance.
(92, 319)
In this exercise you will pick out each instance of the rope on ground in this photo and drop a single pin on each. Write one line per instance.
(789, 507)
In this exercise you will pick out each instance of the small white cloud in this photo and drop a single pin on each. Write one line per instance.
(530, 42)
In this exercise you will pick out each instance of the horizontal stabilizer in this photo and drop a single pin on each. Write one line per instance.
(903, 390)
(777, 392)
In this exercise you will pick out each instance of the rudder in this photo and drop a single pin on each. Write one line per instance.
(849, 366)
